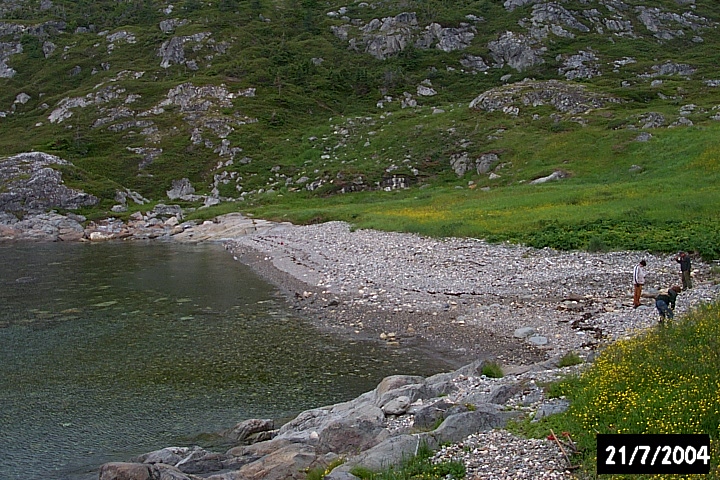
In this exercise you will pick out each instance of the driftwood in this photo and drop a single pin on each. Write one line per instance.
(571, 445)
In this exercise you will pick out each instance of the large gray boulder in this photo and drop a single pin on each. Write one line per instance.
(517, 51)
(457, 427)
(250, 431)
(286, 463)
(386, 454)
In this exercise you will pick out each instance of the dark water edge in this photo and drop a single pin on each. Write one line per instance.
(115, 349)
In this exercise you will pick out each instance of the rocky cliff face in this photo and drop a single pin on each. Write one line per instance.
(30, 184)
(153, 96)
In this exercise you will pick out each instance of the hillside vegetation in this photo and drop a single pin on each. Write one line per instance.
(423, 115)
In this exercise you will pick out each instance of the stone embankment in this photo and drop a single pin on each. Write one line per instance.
(379, 429)
(461, 298)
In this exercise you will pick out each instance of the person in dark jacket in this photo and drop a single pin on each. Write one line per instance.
(665, 302)
(684, 260)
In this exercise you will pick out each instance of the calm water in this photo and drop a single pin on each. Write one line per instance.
(111, 350)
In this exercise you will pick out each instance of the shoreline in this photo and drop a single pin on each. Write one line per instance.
(459, 299)
(407, 290)
(531, 307)
(338, 314)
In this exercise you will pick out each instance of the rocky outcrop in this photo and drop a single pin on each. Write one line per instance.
(462, 164)
(668, 25)
(517, 51)
(563, 96)
(13, 32)
(386, 37)
(43, 227)
(376, 430)
(582, 66)
(30, 183)
(6, 51)
(173, 51)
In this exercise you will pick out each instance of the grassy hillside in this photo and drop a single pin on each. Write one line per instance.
(326, 119)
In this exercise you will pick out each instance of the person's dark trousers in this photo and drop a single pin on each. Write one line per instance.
(664, 310)
(686, 279)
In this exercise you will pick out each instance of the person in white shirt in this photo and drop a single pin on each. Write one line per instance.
(638, 282)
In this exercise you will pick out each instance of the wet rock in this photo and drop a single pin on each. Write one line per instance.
(126, 471)
(250, 431)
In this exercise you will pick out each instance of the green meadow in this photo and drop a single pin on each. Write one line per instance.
(672, 203)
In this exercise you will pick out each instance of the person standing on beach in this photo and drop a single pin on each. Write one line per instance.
(684, 260)
(638, 282)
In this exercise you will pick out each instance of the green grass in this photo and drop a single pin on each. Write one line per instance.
(569, 359)
(492, 370)
(665, 380)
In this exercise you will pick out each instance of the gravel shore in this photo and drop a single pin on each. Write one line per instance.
(464, 300)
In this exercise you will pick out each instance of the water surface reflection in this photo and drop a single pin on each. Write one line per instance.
(111, 350)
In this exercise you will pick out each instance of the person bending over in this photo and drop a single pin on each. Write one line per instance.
(665, 302)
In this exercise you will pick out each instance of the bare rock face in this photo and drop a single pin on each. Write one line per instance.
(29, 184)
(563, 96)
(386, 37)
(6, 51)
(182, 189)
(517, 51)
(173, 50)
(667, 25)
(584, 65)
(511, 5)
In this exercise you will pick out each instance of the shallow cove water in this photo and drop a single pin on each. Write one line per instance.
(115, 349)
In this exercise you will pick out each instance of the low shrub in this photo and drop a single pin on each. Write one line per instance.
(492, 370)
